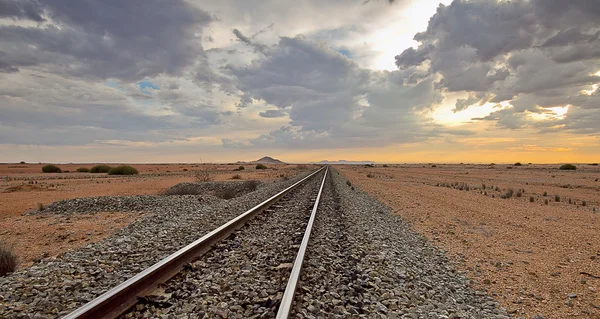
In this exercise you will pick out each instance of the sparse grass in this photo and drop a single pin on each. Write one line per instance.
(236, 176)
(8, 260)
(568, 167)
(100, 169)
(40, 206)
(556, 198)
(260, 166)
(123, 170)
(518, 164)
(83, 170)
(50, 168)
(509, 193)
(531, 199)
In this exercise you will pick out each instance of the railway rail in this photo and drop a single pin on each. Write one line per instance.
(119, 299)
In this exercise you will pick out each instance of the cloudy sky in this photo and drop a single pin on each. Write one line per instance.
(400, 81)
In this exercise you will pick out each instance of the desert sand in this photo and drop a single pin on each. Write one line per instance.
(23, 187)
(534, 258)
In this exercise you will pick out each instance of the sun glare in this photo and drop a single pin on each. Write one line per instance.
(552, 113)
(445, 114)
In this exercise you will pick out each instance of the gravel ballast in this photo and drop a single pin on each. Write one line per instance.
(56, 286)
(245, 275)
(363, 261)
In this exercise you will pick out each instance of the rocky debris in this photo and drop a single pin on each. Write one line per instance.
(147, 203)
(237, 187)
(244, 276)
(363, 261)
(55, 286)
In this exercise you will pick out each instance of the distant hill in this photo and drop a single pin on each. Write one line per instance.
(264, 160)
(344, 162)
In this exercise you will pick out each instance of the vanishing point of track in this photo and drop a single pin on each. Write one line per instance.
(119, 299)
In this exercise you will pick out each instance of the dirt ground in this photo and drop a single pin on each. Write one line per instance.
(23, 187)
(535, 258)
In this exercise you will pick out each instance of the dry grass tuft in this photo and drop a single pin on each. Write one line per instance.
(8, 260)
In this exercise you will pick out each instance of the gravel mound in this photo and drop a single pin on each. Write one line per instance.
(146, 203)
(363, 261)
(56, 286)
(237, 187)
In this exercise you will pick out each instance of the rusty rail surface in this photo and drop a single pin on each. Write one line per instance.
(119, 299)
(288, 296)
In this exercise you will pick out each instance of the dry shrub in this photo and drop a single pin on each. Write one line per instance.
(8, 260)
(203, 174)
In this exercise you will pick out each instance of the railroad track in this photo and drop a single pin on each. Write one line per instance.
(219, 254)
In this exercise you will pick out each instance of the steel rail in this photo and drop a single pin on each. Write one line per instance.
(288, 296)
(119, 299)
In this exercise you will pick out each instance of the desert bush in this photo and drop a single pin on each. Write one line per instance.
(519, 193)
(518, 164)
(546, 201)
(556, 198)
(545, 193)
(531, 199)
(385, 165)
(568, 167)
(240, 168)
(370, 175)
(593, 164)
(236, 176)
(50, 168)
(8, 260)
(203, 174)
(433, 165)
(185, 170)
(583, 203)
(260, 166)
(509, 167)
(100, 169)
(83, 170)
(123, 170)
(570, 201)
(352, 188)
(23, 162)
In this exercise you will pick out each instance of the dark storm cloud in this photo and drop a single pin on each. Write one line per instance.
(21, 9)
(518, 51)
(331, 101)
(272, 113)
(107, 39)
(257, 46)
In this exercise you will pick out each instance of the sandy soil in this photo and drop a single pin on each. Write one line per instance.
(24, 187)
(529, 255)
